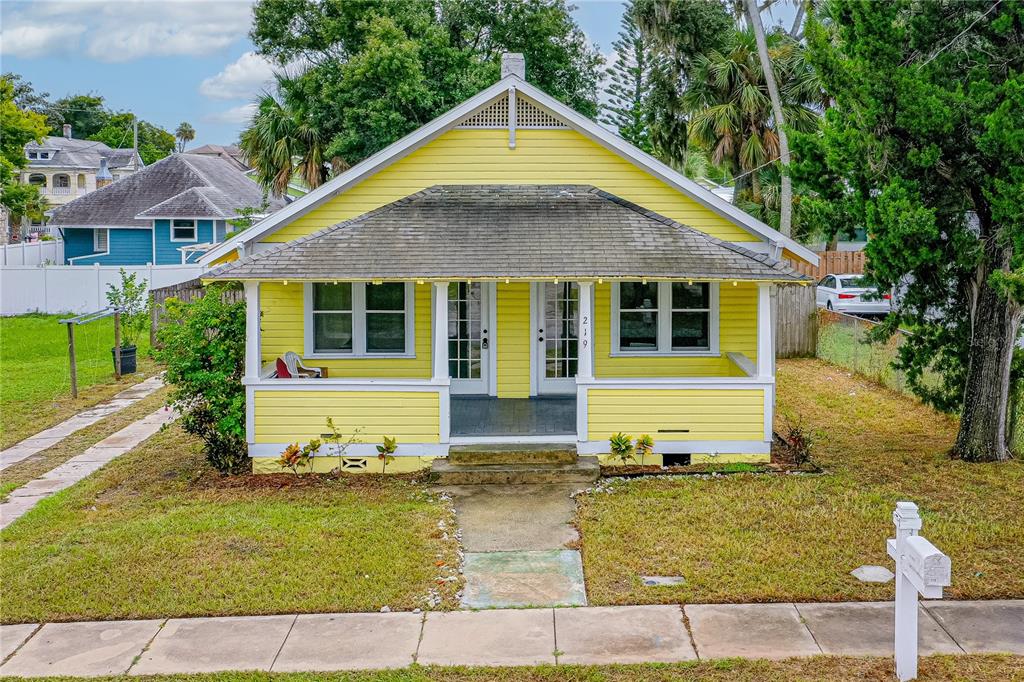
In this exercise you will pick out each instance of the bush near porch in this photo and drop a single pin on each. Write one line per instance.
(157, 533)
(755, 538)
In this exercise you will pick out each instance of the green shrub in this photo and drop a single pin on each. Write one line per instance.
(203, 347)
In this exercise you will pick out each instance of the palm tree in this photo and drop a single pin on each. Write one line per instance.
(280, 143)
(731, 112)
(185, 134)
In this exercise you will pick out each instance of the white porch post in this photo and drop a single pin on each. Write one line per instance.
(439, 357)
(253, 362)
(585, 366)
(765, 348)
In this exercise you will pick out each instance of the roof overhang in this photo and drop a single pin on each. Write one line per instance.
(581, 124)
(100, 227)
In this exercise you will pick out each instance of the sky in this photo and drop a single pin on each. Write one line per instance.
(169, 60)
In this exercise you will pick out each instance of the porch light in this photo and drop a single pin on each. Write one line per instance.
(735, 283)
(284, 282)
(335, 282)
(378, 281)
(508, 281)
(690, 282)
(556, 280)
(643, 281)
(419, 281)
(600, 280)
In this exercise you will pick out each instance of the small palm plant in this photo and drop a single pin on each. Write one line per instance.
(644, 446)
(386, 452)
(622, 447)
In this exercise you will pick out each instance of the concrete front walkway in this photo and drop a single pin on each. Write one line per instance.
(75, 469)
(600, 635)
(55, 434)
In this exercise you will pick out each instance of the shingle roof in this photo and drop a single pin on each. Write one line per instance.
(184, 185)
(230, 152)
(83, 154)
(497, 231)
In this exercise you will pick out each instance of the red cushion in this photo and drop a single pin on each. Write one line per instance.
(282, 370)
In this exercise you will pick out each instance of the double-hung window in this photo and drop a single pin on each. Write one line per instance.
(183, 230)
(101, 240)
(356, 319)
(664, 318)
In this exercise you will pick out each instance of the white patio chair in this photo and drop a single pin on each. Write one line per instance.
(297, 369)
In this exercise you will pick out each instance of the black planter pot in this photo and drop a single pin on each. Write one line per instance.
(128, 365)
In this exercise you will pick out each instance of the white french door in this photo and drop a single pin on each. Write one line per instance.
(469, 337)
(557, 322)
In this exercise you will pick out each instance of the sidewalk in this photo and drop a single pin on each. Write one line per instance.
(55, 434)
(598, 635)
(78, 467)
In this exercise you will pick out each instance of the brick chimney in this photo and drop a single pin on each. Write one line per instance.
(67, 130)
(103, 177)
(513, 63)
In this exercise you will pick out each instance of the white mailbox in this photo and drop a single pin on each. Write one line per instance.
(920, 568)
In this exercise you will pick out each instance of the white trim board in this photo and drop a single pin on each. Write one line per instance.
(686, 447)
(355, 450)
(442, 124)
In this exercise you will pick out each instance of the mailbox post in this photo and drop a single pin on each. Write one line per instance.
(920, 568)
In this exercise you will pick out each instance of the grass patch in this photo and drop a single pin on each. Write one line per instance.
(38, 464)
(819, 669)
(156, 533)
(749, 538)
(36, 389)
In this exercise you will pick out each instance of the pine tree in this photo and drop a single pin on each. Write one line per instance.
(628, 83)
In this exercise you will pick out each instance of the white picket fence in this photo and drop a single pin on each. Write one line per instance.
(34, 253)
(76, 288)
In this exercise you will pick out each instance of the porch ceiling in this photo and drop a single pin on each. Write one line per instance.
(508, 231)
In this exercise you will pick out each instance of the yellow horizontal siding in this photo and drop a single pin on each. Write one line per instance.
(540, 157)
(514, 340)
(282, 329)
(299, 416)
(709, 414)
(737, 333)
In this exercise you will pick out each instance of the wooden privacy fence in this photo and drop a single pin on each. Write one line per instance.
(832, 263)
(184, 291)
(794, 311)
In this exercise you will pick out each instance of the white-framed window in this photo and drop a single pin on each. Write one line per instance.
(101, 240)
(359, 319)
(183, 230)
(664, 318)
(33, 155)
(44, 155)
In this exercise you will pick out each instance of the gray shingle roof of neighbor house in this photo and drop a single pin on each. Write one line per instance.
(84, 154)
(231, 152)
(513, 231)
(180, 185)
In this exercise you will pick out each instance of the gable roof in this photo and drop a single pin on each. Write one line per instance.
(180, 185)
(508, 231)
(507, 85)
(231, 152)
(69, 152)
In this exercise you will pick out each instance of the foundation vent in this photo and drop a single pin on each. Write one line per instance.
(353, 463)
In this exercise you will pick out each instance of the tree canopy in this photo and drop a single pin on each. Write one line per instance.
(18, 127)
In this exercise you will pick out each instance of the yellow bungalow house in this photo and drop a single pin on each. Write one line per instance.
(511, 273)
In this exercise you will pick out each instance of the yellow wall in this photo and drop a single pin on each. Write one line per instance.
(737, 334)
(514, 340)
(540, 157)
(290, 416)
(282, 330)
(709, 414)
(326, 464)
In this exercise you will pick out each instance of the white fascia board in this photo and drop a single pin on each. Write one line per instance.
(666, 174)
(580, 123)
(357, 173)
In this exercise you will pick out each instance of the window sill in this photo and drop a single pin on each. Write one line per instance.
(361, 356)
(665, 354)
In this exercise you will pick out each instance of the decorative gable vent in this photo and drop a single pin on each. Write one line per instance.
(495, 115)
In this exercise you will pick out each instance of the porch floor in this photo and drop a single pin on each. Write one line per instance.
(486, 416)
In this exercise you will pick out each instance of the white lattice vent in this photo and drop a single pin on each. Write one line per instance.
(353, 463)
(495, 115)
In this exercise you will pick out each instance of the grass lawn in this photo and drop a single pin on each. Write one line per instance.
(36, 388)
(156, 533)
(820, 669)
(763, 538)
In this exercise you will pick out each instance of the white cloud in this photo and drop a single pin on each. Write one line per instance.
(124, 30)
(241, 79)
(239, 114)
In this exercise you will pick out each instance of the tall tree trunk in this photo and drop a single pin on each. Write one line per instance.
(995, 323)
(786, 196)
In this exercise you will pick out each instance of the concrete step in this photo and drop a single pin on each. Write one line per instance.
(585, 470)
(530, 453)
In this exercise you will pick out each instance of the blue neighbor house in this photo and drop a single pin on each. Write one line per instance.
(168, 213)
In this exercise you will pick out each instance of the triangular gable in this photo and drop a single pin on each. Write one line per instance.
(511, 104)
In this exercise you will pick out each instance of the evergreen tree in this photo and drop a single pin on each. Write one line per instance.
(628, 86)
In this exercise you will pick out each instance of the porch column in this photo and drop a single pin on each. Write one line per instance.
(253, 362)
(440, 348)
(765, 347)
(585, 365)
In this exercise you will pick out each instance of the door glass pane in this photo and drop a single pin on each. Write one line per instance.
(465, 332)
(332, 332)
(561, 329)
(385, 332)
(690, 330)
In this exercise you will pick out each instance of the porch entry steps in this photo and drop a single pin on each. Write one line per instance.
(527, 453)
(584, 470)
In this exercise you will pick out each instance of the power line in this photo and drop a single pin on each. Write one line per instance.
(960, 34)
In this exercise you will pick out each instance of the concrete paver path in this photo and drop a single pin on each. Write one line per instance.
(597, 635)
(75, 469)
(55, 434)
